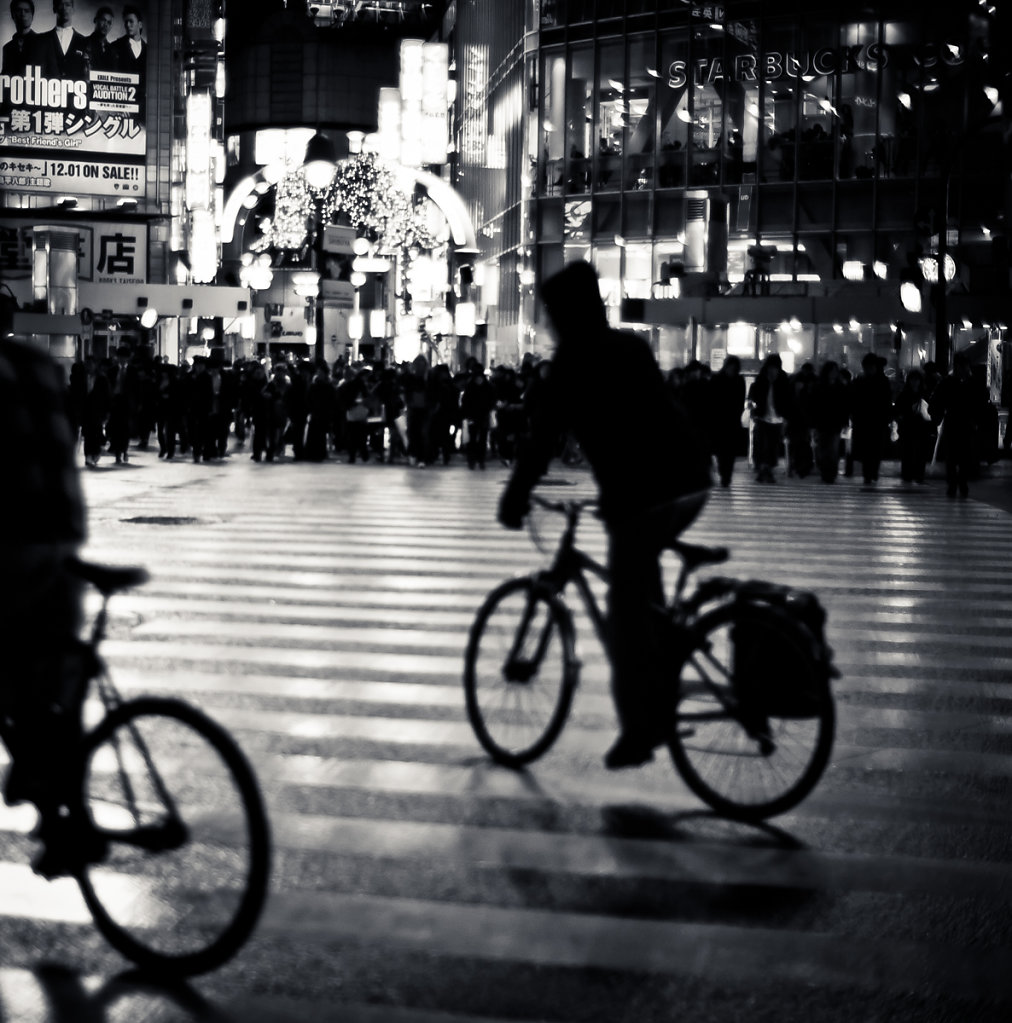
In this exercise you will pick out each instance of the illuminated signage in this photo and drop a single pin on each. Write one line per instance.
(774, 64)
(72, 102)
(107, 253)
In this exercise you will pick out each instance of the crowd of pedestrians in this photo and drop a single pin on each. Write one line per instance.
(414, 413)
(816, 420)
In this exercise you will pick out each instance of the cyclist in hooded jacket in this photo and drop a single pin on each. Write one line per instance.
(652, 473)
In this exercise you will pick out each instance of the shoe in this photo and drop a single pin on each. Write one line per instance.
(67, 846)
(629, 751)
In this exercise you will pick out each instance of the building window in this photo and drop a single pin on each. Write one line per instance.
(579, 142)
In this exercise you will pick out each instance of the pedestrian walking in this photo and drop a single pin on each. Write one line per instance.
(798, 430)
(830, 416)
(321, 404)
(769, 399)
(476, 403)
(94, 399)
(913, 422)
(727, 402)
(871, 412)
(958, 404)
(168, 410)
(121, 399)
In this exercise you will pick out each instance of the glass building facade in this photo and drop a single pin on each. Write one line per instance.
(701, 153)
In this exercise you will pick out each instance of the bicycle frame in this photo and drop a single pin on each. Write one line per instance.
(570, 565)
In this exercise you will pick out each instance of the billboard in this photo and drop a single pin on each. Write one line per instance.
(73, 80)
(108, 252)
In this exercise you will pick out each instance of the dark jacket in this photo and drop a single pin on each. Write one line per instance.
(57, 64)
(607, 389)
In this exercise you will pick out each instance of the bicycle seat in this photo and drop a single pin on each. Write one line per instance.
(108, 579)
(695, 555)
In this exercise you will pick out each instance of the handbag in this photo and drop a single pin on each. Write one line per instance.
(358, 413)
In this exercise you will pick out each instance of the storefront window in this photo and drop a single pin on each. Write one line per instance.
(637, 278)
(817, 87)
(707, 129)
(608, 262)
(579, 142)
(673, 104)
(552, 166)
(779, 136)
(739, 87)
(611, 117)
(860, 154)
(640, 114)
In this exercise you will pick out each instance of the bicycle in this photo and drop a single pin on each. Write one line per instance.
(173, 808)
(753, 716)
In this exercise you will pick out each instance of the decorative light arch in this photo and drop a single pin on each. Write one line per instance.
(446, 198)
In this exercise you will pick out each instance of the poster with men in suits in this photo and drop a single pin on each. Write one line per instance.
(73, 80)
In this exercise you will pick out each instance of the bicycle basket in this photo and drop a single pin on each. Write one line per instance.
(782, 672)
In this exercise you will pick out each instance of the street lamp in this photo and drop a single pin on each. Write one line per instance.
(318, 167)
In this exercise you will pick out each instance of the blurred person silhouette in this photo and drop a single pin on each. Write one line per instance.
(122, 388)
(799, 422)
(606, 387)
(770, 401)
(476, 403)
(913, 419)
(321, 402)
(40, 601)
(959, 404)
(871, 411)
(830, 415)
(727, 402)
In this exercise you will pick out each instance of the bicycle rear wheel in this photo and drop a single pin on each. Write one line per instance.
(520, 671)
(751, 756)
(186, 873)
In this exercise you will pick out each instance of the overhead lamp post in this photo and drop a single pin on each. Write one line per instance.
(318, 167)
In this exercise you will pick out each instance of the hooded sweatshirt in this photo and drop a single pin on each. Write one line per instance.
(606, 388)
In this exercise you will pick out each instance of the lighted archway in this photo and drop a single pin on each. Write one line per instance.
(446, 198)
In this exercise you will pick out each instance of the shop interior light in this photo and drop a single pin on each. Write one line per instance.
(357, 279)
(910, 296)
(306, 283)
(853, 270)
(149, 317)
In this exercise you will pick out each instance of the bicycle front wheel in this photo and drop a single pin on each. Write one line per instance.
(186, 873)
(754, 717)
(520, 671)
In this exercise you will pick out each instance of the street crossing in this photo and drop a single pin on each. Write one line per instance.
(320, 613)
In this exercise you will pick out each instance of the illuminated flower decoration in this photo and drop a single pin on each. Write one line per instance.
(371, 196)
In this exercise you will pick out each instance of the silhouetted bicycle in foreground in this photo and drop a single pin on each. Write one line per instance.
(752, 712)
(174, 805)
